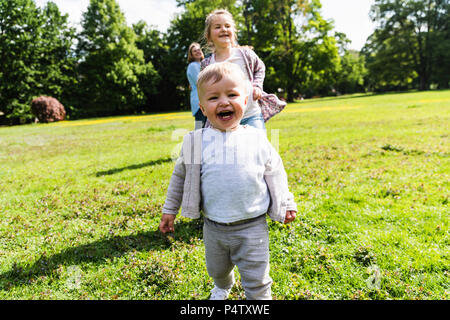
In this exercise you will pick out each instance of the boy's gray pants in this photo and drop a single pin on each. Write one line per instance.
(245, 245)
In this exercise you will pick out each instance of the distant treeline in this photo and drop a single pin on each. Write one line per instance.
(110, 68)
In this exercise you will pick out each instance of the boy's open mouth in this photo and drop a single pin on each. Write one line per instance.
(225, 115)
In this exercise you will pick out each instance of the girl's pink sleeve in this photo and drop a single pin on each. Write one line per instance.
(259, 70)
(204, 63)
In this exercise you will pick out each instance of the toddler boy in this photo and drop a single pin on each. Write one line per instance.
(233, 174)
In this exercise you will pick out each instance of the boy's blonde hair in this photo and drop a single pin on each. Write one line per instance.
(208, 24)
(216, 71)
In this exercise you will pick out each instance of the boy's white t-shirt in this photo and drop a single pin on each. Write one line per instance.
(236, 57)
(232, 174)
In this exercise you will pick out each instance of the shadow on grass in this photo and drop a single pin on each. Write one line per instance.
(100, 252)
(133, 167)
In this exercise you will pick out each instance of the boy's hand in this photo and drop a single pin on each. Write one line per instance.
(166, 224)
(257, 93)
(290, 216)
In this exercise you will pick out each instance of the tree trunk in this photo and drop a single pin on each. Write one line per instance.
(423, 81)
(290, 93)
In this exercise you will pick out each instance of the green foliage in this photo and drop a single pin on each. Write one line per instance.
(152, 44)
(300, 58)
(118, 69)
(35, 50)
(112, 69)
(19, 28)
(350, 77)
(410, 46)
(297, 47)
(57, 62)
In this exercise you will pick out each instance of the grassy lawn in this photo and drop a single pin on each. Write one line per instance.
(80, 203)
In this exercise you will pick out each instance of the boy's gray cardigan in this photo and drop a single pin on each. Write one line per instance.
(184, 187)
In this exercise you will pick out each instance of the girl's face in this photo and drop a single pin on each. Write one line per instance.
(222, 31)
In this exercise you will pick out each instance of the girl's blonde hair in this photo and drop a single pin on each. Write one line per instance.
(208, 24)
(190, 56)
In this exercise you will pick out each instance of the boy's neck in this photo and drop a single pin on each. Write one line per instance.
(223, 53)
(228, 130)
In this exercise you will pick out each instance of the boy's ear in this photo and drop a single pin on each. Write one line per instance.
(203, 109)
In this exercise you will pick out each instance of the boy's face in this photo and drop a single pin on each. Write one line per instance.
(224, 102)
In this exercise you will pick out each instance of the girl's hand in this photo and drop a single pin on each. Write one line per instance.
(290, 216)
(257, 93)
(166, 224)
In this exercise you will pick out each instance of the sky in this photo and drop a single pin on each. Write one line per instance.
(350, 16)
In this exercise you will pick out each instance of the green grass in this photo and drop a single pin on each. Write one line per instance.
(80, 204)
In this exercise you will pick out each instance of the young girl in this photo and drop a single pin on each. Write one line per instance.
(220, 34)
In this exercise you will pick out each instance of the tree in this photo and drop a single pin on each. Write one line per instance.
(352, 72)
(440, 44)
(56, 57)
(388, 68)
(36, 57)
(410, 42)
(151, 42)
(300, 54)
(112, 69)
(19, 25)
